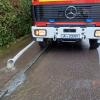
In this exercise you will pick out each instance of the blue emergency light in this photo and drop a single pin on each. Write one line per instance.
(51, 20)
(89, 20)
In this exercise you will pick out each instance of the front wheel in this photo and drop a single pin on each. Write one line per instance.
(93, 43)
(44, 43)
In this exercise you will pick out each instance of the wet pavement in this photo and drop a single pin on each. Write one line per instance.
(64, 72)
(5, 74)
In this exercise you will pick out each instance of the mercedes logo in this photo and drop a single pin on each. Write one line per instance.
(71, 12)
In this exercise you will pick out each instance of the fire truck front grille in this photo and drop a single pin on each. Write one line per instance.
(69, 13)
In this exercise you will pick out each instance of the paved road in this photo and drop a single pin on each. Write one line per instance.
(64, 72)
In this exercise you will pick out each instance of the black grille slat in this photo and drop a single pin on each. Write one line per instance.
(84, 11)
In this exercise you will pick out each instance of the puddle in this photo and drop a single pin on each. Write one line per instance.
(12, 85)
(19, 79)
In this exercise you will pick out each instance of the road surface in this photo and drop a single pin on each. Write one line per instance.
(64, 72)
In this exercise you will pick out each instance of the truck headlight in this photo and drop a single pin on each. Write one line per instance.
(97, 33)
(40, 32)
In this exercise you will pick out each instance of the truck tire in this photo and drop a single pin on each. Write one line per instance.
(93, 43)
(43, 44)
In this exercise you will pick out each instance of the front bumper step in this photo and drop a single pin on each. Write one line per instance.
(66, 33)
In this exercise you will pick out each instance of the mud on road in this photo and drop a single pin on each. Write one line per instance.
(64, 72)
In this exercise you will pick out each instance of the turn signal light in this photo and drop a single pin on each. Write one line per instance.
(40, 32)
(97, 33)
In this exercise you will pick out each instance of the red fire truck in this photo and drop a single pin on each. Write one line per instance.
(66, 20)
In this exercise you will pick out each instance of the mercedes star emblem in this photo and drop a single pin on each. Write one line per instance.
(71, 12)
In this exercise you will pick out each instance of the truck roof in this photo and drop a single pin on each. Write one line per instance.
(38, 2)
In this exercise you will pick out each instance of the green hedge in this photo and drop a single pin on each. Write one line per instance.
(15, 20)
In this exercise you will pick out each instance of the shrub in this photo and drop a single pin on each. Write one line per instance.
(15, 20)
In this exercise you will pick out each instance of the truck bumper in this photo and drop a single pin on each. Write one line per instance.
(66, 33)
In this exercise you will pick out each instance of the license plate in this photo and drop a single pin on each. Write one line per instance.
(70, 36)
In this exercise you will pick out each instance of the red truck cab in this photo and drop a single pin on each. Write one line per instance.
(66, 20)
